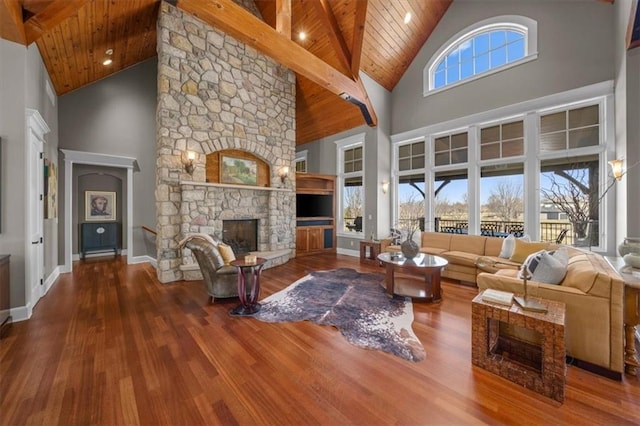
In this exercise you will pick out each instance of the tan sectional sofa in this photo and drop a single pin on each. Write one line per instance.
(592, 291)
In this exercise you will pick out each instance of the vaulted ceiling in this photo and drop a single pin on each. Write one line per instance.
(73, 37)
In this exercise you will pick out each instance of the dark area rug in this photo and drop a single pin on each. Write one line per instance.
(355, 303)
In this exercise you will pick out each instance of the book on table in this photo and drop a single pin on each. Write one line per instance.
(497, 296)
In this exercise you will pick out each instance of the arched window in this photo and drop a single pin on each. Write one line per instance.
(485, 47)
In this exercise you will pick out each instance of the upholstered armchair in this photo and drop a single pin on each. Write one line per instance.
(221, 281)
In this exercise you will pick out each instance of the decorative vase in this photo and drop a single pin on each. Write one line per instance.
(629, 245)
(409, 249)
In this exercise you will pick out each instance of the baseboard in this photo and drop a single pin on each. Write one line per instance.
(51, 279)
(142, 259)
(596, 369)
(347, 252)
(20, 313)
(76, 256)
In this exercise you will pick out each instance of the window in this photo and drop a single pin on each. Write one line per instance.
(351, 185)
(574, 128)
(502, 200)
(539, 166)
(489, 45)
(411, 188)
(502, 141)
(451, 149)
(451, 206)
(301, 162)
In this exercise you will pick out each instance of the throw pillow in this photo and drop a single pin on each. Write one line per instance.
(227, 253)
(509, 244)
(552, 267)
(523, 249)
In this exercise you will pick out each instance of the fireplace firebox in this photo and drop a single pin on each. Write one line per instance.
(241, 235)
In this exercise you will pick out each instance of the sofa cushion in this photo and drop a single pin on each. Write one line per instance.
(495, 263)
(493, 246)
(436, 240)
(524, 249)
(461, 258)
(467, 243)
(432, 250)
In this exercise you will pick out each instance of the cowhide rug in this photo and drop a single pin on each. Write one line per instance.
(353, 302)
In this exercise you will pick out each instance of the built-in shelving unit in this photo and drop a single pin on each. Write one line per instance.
(315, 213)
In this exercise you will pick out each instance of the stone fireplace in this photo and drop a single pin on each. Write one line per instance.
(216, 94)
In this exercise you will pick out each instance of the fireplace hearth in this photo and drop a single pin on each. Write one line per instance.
(241, 235)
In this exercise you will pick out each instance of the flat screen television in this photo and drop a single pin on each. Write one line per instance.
(314, 205)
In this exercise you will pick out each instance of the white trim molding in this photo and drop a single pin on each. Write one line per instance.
(80, 157)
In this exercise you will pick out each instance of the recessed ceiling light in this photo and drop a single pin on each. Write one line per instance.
(109, 52)
(407, 17)
(107, 62)
(302, 35)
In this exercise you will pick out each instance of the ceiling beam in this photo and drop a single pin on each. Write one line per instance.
(241, 24)
(332, 29)
(330, 23)
(11, 26)
(52, 15)
(283, 17)
(358, 35)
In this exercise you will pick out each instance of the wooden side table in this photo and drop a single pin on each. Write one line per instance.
(631, 278)
(524, 347)
(369, 251)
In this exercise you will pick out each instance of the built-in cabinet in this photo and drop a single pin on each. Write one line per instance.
(315, 213)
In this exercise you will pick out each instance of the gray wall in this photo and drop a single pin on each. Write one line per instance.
(321, 158)
(22, 85)
(117, 116)
(575, 42)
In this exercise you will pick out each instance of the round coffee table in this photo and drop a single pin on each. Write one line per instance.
(425, 265)
(248, 305)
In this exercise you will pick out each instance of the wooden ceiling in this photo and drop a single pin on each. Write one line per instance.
(73, 37)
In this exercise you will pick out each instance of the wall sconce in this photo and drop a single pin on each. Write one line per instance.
(616, 169)
(284, 173)
(385, 186)
(188, 163)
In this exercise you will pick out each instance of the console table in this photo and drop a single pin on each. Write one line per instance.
(524, 347)
(99, 237)
(631, 278)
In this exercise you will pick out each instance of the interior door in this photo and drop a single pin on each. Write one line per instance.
(35, 216)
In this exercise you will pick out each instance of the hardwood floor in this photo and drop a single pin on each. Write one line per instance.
(110, 345)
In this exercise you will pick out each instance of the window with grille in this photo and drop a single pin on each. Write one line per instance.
(351, 185)
(411, 156)
(502, 141)
(574, 128)
(451, 149)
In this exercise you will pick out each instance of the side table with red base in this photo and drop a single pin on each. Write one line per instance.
(250, 305)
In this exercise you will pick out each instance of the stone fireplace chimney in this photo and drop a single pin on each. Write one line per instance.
(214, 94)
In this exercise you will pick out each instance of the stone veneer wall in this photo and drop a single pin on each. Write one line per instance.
(216, 93)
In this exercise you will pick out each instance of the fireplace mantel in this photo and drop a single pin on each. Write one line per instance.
(230, 185)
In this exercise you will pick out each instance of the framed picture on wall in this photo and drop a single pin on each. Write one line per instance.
(99, 206)
(242, 171)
